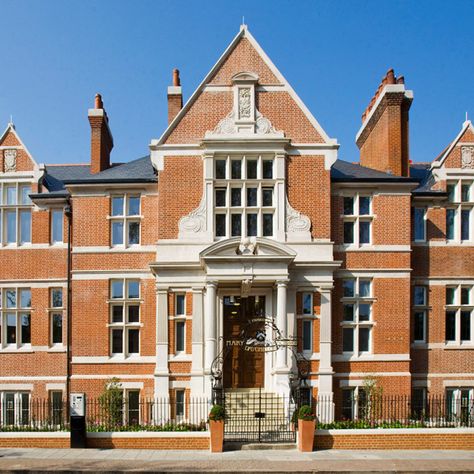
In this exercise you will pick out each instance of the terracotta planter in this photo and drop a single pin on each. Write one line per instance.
(217, 436)
(306, 435)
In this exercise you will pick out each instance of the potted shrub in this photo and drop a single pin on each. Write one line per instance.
(306, 427)
(216, 427)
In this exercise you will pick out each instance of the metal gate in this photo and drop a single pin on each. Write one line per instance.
(256, 416)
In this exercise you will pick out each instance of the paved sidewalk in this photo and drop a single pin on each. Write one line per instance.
(122, 460)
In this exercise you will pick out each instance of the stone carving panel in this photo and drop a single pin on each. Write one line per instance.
(245, 103)
(467, 157)
(9, 160)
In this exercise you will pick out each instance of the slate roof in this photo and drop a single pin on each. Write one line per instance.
(343, 171)
(137, 171)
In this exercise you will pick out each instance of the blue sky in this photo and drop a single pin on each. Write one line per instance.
(58, 54)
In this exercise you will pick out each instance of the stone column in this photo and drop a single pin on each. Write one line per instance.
(161, 368)
(281, 322)
(325, 391)
(197, 369)
(210, 325)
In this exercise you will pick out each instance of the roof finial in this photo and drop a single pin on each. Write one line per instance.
(243, 26)
(11, 121)
(467, 121)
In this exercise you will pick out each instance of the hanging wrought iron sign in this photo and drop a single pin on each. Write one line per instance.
(261, 334)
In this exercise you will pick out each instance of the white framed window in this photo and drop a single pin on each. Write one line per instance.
(15, 213)
(15, 408)
(420, 303)
(459, 309)
(180, 404)
(357, 320)
(244, 196)
(459, 221)
(124, 323)
(419, 224)
(57, 226)
(56, 316)
(180, 304)
(354, 403)
(357, 219)
(56, 406)
(307, 304)
(16, 317)
(125, 220)
(180, 336)
(307, 335)
(460, 404)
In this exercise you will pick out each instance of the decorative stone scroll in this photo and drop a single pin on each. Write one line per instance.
(297, 224)
(228, 126)
(194, 223)
(467, 157)
(9, 160)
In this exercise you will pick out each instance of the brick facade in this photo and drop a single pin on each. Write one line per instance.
(169, 245)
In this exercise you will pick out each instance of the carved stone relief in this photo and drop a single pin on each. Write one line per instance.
(9, 160)
(195, 222)
(297, 224)
(245, 103)
(467, 157)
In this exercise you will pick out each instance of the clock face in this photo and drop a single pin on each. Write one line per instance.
(467, 157)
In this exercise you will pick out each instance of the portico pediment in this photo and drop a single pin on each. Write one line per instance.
(250, 248)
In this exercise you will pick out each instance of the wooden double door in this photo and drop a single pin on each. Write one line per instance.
(242, 368)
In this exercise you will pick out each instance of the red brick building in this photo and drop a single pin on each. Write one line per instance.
(242, 212)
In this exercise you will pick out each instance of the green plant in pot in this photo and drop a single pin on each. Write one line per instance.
(306, 427)
(217, 417)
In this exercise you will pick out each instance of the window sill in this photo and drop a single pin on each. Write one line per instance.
(17, 350)
(180, 357)
(459, 346)
(57, 348)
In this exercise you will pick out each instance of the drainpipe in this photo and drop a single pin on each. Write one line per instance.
(68, 213)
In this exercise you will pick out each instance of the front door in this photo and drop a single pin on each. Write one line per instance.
(242, 368)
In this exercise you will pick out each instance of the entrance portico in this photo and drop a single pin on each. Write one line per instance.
(264, 277)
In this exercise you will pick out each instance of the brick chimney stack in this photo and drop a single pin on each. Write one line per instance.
(175, 97)
(383, 137)
(102, 141)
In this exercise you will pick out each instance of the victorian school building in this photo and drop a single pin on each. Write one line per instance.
(241, 249)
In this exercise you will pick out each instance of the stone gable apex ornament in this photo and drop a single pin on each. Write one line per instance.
(297, 224)
(9, 160)
(194, 223)
(467, 157)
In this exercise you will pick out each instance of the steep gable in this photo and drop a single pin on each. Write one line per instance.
(462, 145)
(213, 99)
(14, 156)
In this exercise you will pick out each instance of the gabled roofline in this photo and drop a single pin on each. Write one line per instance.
(11, 128)
(243, 33)
(440, 161)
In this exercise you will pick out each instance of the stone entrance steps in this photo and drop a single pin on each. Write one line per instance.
(242, 404)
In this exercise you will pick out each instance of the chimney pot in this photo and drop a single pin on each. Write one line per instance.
(176, 79)
(390, 76)
(98, 104)
(400, 80)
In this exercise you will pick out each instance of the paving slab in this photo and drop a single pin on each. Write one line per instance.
(103, 461)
